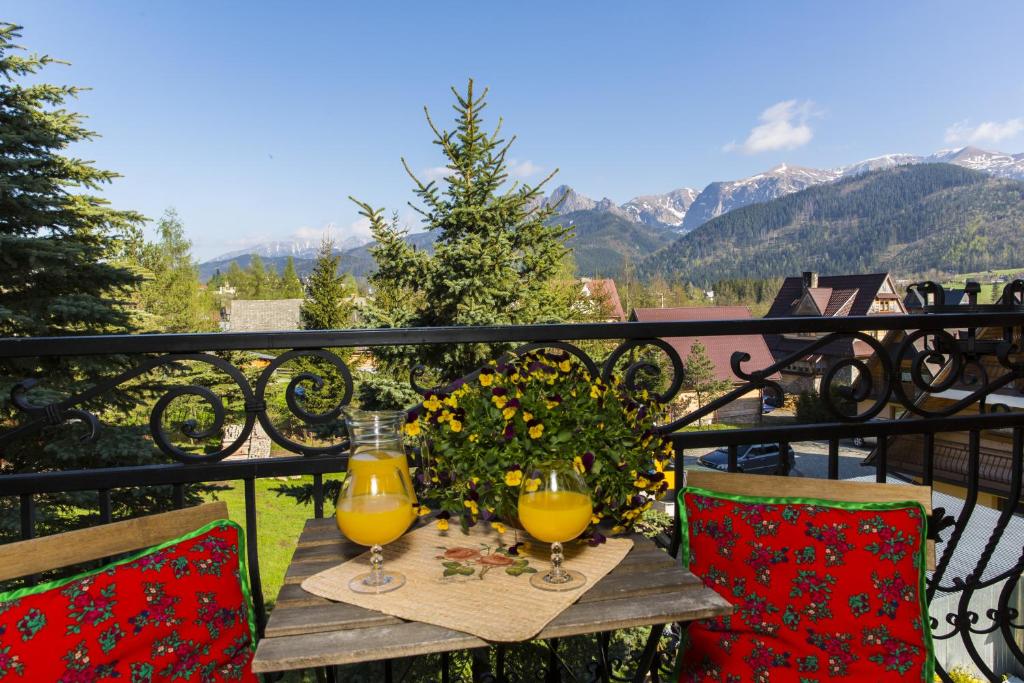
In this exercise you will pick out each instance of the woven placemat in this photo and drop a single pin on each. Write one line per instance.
(464, 582)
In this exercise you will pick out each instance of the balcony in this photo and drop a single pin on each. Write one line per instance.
(971, 454)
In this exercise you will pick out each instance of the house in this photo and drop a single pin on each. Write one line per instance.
(747, 408)
(601, 297)
(829, 296)
(261, 315)
(952, 297)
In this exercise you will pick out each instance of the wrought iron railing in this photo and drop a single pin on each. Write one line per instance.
(939, 351)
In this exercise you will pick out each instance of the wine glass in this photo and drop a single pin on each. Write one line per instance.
(374, 508)
(555, 507)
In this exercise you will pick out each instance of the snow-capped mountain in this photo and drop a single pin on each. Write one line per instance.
(569, 200)
(661, 209)
(299, 248)
(720, 197)
(995, 163)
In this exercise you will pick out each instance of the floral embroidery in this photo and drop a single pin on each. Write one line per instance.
(892, 590)
(152, 618)
(833, 537)
(462, 561)
(819, 593)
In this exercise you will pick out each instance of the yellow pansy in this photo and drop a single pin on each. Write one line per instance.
(455, 425)
(412, 428)
(514, 478)
(451, 401)
(532, 485)
(595, 518)
(499, 401)
(498, 526)
(641, 482)
(444, 416)
(442, 525)
(516, 378)
(618, 529)
(595, 391)
(422, 510)
(508, 413)
(473, 507)
(473, 438)
(486, 379)
(565, 365)
(527, 416)
(536, 431)
(432, 404)
(577, 464)
(552, 404)
(659, 465)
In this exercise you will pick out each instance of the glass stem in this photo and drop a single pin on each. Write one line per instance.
(557, 574)
(377, 563)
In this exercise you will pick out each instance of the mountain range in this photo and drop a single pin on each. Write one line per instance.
(607, 234)
(906, 218)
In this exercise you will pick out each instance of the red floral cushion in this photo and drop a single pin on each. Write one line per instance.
(180, 611)
(822, 591)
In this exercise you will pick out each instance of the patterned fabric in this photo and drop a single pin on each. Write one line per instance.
(822, 591)
(177, 612)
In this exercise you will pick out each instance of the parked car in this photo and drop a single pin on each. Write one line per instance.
(761, 458)
(862, 441)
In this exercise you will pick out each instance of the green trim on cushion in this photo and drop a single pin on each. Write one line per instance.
(922, 586)
(243, 570)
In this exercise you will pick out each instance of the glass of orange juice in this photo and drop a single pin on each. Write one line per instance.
(555, 507)
(374, 508)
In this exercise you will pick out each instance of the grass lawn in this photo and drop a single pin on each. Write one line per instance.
(279, 522)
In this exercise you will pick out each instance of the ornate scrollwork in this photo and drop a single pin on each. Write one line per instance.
(647, 367)
(254, 402)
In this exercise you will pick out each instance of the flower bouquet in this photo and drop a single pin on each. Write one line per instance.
(485, 434)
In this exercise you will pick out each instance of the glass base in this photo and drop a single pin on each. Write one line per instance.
(571, 580)
(369, 582)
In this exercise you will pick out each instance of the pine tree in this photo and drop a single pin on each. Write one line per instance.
(238, 279)
(172, 292)
(494, 254)
(699, 376)
(291, 286)
(259, 282)
(63, 252)
(328, 301)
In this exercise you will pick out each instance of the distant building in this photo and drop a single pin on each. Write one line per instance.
(830, 296)
(262, 315)
(747, 408)
(914, 303)
(602, 293)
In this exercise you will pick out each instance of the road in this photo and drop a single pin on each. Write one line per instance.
(812, 459)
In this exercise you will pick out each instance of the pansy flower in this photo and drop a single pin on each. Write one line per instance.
(433, 403)
(514, 476)
(486, 377)
(535, 428)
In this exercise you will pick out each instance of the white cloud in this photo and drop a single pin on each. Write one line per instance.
(434, 173)
(523, 169)
(783, 126)
(987, 131)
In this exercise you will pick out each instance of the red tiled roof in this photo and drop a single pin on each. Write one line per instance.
(866, 287)
(606, 290)
(719, 348)
(841, 299)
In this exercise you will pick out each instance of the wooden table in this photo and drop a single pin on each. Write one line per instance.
(648, 588)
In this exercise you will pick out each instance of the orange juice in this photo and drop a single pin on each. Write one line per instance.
(382, 463)
(555, 516)
(369, 520)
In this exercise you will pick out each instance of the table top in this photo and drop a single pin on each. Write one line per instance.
(648, 587)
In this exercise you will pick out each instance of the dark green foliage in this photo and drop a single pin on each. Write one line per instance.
(62, 272)
(328, 302)
(290, 286)
(811, 408)
(699, 376)
(171, 292)
(494, 252)
(906, 219)
(602, 241)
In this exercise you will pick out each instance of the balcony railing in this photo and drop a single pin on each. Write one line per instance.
(911, 358)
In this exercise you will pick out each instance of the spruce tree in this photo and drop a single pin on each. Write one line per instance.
(291, 286)
(328, 301)
(494, 252)
(238, 279)
(63, 271)
(259, 282)
(699, 376)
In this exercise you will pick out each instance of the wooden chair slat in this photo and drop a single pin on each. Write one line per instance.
(37, 555)
(799, 487)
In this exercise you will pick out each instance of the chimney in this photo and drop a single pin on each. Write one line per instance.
(810, 279)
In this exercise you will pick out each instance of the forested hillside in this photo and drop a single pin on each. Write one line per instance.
(905, 219)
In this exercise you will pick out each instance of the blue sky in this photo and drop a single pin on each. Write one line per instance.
(257, 120)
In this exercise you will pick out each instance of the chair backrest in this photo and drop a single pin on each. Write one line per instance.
(823, 489)
(36, 555)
